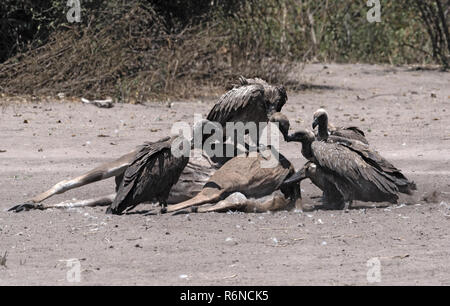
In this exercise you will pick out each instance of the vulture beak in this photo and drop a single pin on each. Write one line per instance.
(296, 177)
(271, 110)
(301, 136)
(315, 123)
(293, 137)
(289, 138)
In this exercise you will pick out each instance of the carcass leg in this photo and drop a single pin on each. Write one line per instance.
(107, 170)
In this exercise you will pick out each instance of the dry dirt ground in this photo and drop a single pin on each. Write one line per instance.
(404, 112)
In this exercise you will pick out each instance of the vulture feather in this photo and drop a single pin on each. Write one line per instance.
(326, 129)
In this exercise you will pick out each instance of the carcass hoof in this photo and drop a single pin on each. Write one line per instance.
(25, 207)
(180, 212)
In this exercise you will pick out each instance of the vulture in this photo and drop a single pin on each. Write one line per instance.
(150, 176)
(326, 129)
(347, 169)
(153, 172)
(256, 174)
(277, 118)
(251, 100)
(283, 123)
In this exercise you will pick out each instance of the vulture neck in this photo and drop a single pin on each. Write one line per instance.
(306, 149)
(323, 129)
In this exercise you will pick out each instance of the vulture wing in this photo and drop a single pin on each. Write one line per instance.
(235, 100)
(377, 161)
(140, 171)
(352, 167)
(351, 132)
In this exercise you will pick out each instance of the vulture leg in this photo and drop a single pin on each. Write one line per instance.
(207, 195)
(347, 205)
(236, 143)
(163, 206)
(253, 143)
(209, 160)
(107, 170)
(331, 198)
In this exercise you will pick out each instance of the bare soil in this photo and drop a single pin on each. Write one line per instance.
(404, 112)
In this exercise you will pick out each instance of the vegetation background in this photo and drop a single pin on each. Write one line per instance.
(142, 50)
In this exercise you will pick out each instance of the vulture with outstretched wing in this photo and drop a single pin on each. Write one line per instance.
(252, 100)
(249, 101)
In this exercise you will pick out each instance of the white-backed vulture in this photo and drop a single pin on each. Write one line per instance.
(277, 118)
(347, 170)
(252, 100)
(150, 176)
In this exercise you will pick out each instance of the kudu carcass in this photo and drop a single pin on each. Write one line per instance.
(249, 177)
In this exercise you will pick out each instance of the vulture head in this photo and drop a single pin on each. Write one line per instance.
(304, 136)
(275, 96)
(280, 97)
(308, 170)
(283, 123)
(320, 118)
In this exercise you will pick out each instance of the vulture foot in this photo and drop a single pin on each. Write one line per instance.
(347, 206)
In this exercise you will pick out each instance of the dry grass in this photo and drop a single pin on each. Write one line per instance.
(133, 58)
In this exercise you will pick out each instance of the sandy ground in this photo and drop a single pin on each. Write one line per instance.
(404, 112)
